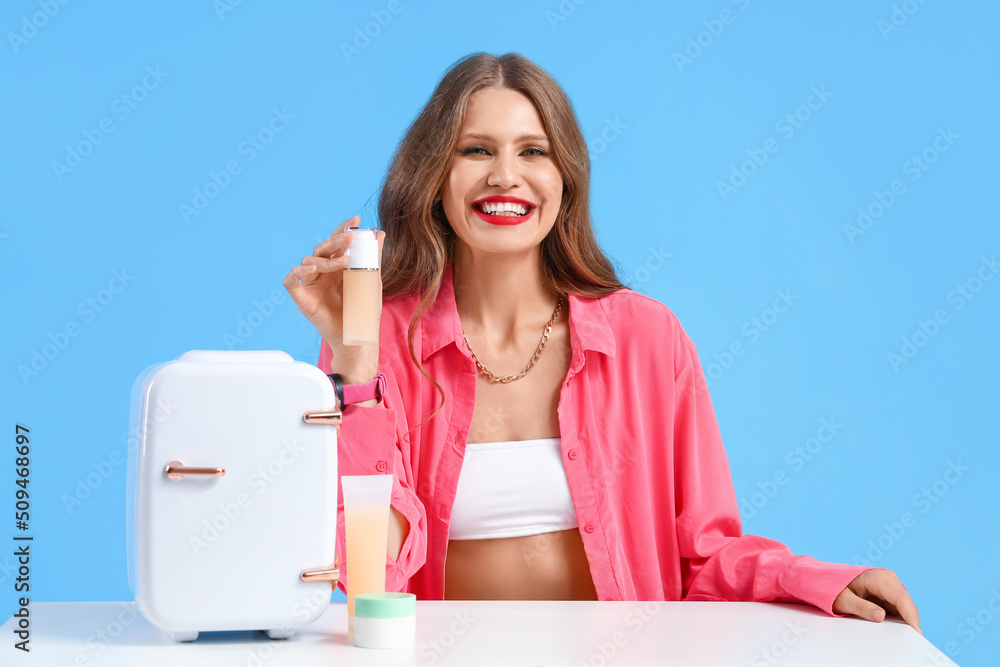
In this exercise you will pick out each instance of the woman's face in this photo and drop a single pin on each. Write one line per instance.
(503, 190)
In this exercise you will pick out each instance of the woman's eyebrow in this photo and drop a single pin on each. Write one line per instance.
(521, 139)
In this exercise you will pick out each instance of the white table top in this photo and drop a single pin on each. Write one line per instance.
(459, 632)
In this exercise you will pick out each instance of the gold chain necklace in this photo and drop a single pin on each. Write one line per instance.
(538, 353)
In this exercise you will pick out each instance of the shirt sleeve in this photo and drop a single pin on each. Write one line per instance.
(374, 441)
(719, 562)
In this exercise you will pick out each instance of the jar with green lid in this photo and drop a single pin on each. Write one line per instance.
(385, 620)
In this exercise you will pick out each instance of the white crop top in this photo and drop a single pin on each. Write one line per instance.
(510, 489)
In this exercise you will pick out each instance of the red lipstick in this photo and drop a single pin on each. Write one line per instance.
(493, 219)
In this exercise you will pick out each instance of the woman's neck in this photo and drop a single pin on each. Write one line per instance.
(499, 295)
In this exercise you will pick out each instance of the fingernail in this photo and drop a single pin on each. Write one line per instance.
(877, 615)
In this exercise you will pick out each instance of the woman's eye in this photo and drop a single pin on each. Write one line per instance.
(534, 151)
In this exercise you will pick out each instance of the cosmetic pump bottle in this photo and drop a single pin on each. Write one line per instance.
(362, 289)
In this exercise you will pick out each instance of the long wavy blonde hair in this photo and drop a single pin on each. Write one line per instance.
(419, 241)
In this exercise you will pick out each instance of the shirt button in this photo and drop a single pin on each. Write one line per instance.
(572, 455)
(589, 528)
(380, 466)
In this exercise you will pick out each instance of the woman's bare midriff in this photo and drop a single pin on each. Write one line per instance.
(546, 566)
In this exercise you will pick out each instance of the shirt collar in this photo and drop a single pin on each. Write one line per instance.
(588, 324)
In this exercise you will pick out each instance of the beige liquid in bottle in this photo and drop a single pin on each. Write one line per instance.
(361, 306)
(367, 501)
(362, 291)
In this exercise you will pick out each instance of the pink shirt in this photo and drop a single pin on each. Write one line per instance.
(641, 448)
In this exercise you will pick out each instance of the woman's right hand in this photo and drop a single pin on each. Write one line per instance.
(315, 287)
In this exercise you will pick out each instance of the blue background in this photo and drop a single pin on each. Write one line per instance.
(671, 97)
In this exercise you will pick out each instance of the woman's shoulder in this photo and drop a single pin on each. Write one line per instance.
(643, 324)
(625, 308)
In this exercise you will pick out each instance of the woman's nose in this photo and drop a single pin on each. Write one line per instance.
(504, 172)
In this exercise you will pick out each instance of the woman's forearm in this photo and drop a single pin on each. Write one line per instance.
(398, 529)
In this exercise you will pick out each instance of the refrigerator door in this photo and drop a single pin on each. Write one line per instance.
(220, 544)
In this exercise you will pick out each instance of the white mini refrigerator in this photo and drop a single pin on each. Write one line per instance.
(231, 508)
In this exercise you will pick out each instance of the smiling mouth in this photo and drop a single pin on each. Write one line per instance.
(503, 210)
(508, 209)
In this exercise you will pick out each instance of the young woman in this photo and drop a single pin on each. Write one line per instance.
(549, 432)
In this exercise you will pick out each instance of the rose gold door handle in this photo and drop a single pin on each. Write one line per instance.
(176, 470)
(330, 573)
(329, 417)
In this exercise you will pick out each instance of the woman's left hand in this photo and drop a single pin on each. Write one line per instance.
(873, 593)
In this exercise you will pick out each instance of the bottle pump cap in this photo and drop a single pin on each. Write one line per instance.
(362, 253)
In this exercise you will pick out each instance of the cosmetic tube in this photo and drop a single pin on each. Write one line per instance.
(366, 519)
(362, 289)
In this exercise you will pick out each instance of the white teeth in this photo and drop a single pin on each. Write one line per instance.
(504, 208)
